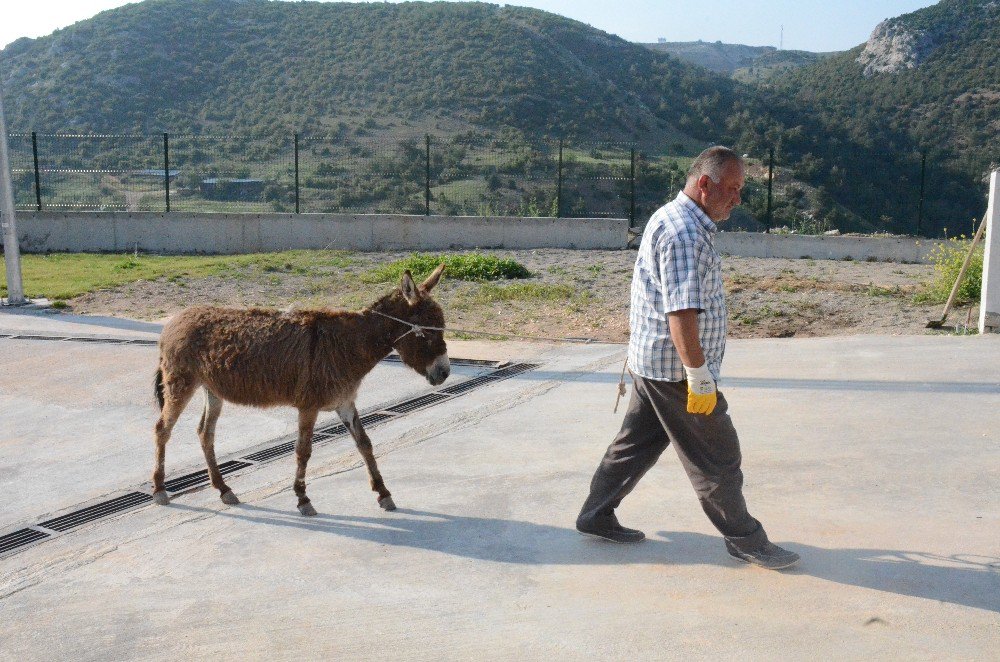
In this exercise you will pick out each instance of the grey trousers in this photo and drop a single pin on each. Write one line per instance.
(708, 448)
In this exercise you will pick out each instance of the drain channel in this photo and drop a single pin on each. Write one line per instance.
(20, 539)
(97, 511)
(27, 536)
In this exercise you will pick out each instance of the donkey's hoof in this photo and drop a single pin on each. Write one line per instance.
(307, 509)
(386, 503)
(161, 498)
(229, 498)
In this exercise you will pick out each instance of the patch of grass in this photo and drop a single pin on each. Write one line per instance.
(878, 291)
(59, 304)
(948, 259)
(493, 293)
(474, 267)
(596, 269)
(66, 275)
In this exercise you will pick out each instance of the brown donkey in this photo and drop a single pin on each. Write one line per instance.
(313, 360)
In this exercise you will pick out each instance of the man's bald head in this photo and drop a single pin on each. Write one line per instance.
(714, 182)
(713, 162)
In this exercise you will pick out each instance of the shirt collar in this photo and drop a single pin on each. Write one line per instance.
(689, 204)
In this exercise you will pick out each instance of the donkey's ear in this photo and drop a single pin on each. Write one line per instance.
(433, 279)
(409, 288)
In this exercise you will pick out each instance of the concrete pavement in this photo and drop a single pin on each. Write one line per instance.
(876, 458)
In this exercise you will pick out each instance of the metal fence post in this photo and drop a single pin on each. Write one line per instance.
(770, 185)
(920, 207)
(631, 208)
(296, 173)
(38, 183)
(559, 182)
(166, 169)
(427, 177)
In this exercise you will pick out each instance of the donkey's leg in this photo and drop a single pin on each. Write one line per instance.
(349, 414)
(303, 450)
(177, 393)
(206, 432)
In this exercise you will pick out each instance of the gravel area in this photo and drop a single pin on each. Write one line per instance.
(576, 294)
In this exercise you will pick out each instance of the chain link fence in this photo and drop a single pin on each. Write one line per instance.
(462, 175)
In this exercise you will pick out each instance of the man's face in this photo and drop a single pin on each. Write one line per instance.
(719, 200)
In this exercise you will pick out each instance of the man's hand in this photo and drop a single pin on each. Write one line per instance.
(702, 396)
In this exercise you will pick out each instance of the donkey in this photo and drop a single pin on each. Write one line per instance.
(313, 360)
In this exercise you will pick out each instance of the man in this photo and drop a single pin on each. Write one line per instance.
(678, 336)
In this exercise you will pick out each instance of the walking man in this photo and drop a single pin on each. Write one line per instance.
(678, 337)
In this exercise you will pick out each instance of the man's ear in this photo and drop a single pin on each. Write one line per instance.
(409, 288)
(704, 182)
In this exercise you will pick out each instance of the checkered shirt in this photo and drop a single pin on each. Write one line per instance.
(677, 268)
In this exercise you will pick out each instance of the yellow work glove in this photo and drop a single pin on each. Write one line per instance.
(702, 396)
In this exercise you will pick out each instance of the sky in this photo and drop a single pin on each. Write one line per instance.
(810, 25)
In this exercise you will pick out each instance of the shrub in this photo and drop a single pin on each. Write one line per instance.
(948, 259)
(471, 267)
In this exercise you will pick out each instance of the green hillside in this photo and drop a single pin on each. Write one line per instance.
(252, 67)
(942, 97)
(256, 67)
(745, 63)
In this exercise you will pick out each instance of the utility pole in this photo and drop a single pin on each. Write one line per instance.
(781, 41)
(11, 251)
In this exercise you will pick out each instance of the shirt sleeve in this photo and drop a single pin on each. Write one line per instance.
(683, 268)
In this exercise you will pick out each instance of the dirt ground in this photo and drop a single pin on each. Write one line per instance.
(578, 294)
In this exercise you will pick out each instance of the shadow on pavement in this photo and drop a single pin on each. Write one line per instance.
(973, 581)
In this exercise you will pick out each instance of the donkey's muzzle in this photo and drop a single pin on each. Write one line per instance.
(439, 370)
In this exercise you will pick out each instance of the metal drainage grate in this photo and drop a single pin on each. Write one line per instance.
(481, 380)
(199, 477)
(271, 453)
(417, 403)
(515, 369)
(20, 538)
(469, 384)
(97, 511)
(375, 418)
(334, 430)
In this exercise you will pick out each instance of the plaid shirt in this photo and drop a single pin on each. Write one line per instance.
(677, 268)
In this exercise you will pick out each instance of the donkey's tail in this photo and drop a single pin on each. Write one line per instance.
(158, 387)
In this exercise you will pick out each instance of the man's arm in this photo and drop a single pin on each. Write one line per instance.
(684, 333)
(702, 396)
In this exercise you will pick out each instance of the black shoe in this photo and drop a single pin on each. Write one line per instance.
(608, 528)
(769, 556)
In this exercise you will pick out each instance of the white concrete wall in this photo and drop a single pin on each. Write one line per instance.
(180, 232)
(989, 305)
(880, 249)
(250, 233)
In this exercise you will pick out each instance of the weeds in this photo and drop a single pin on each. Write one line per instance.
(948, 258)
(474, 267)
(492, 293)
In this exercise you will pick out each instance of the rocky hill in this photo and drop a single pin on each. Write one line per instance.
(926, 82)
